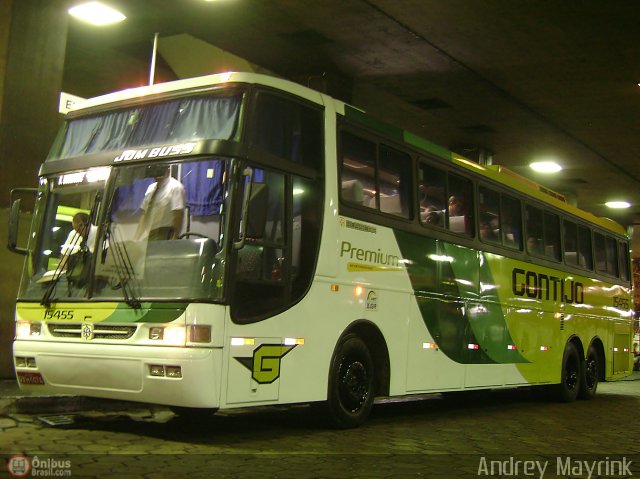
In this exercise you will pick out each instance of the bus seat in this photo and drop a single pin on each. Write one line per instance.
(352, 191)
(390, 204)
(457, 224)
(176, 262)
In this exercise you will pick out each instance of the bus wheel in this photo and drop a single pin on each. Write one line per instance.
(589, 383)
(350, 395)
(571, 374)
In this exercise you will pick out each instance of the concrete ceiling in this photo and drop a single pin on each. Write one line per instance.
(521, 80)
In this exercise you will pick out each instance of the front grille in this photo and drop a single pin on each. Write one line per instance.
(101, 331)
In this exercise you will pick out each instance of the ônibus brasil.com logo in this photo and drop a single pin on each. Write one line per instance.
(20, 466)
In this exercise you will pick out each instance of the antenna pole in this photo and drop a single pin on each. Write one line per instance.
(152, 70)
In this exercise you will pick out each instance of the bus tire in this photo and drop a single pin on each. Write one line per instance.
(351, 383)
(571, 377)
(590, 370)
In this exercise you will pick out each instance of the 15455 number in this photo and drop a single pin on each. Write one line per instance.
(58, 314)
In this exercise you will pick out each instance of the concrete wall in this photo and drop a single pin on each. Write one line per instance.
(33, 37)
(10, 270)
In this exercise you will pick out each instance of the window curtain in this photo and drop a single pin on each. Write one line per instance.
(171, 122)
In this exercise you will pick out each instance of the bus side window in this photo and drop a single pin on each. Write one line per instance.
(489, 220)
(534, 230)
(394, 177)
(460, 205)
(570, 236)
(511, 222)
(601, 253)
(624, 260)
(584, 247)
(358, 170)
(552, 236)
(431, 191)
(289, 130)
(612, 256)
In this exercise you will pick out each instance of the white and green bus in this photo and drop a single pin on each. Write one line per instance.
(322, 256)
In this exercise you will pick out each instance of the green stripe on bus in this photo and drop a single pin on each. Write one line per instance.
(363, 119)
(426, 145)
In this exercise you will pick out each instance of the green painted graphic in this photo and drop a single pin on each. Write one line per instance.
(457, 297)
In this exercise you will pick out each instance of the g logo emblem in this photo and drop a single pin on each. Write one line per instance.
(265, 363)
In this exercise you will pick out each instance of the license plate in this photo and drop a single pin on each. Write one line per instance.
(30, 378)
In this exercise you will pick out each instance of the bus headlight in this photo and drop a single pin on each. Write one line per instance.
(27, 329)
(174, 335)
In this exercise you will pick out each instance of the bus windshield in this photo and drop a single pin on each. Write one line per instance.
(132, 232)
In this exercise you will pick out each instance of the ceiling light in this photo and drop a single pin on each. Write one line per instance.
(618, 204)
(96, 13)
(545, 167)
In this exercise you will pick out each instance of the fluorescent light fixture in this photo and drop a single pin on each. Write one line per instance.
(618, 205)
(96, 13)
(545, 167)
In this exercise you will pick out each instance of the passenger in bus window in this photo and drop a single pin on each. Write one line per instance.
(431, 215)
(456, 206)
(489, 228)
(163, 206)
(534, 245)
(457, 215)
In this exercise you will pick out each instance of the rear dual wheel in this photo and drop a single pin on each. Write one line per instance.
(571, 378)
(579, 376)
(590, 375)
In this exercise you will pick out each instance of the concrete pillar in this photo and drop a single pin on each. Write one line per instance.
(33, 37)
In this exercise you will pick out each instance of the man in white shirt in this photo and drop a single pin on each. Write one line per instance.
(82, 230)
(163, 207)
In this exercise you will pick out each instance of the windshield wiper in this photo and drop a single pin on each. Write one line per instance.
(75, 255)
(123, 265)
(58, 272)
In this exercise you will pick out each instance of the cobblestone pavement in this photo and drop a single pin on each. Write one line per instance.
(499, 434)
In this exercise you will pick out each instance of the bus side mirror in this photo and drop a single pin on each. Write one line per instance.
(14, 220)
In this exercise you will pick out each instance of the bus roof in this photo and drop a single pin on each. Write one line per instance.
(498, 174)
(158, 89)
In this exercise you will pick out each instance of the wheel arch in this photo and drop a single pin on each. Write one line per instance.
(374, 339)
(577, 342)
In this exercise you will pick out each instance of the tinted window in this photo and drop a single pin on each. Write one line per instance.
(511, 222)
(460, 205)
(289, 130)
(535, 231)
(381, 182)
(489, 219)
(570, 235)
(585, 256)
(358, 170)
(624, 260)
(551, 236)
(601, 253)
(432, 185)
(394, 177)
